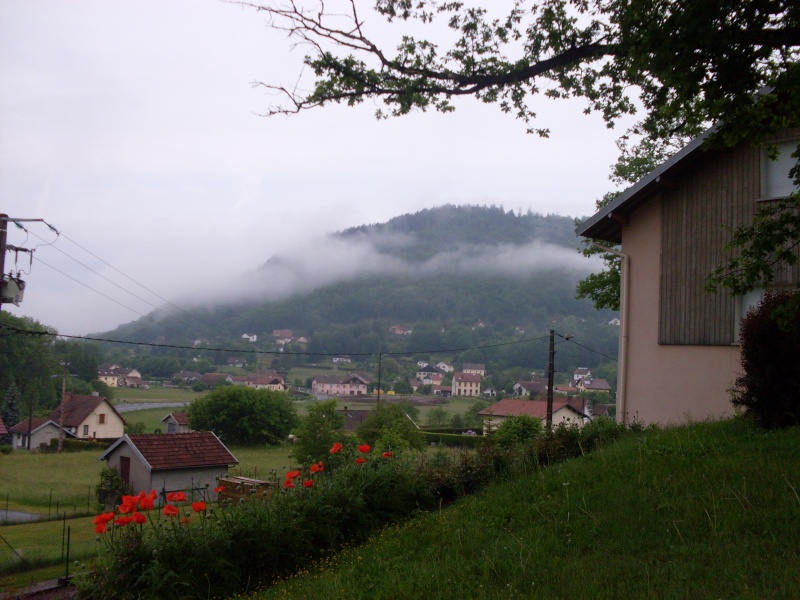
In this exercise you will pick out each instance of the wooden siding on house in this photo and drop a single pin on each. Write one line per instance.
(721, 189)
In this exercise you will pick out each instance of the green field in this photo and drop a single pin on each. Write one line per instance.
(155, 394)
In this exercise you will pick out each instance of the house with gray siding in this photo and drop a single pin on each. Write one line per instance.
(190, 462)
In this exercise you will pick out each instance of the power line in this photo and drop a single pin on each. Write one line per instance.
(144, 287)
(267, 352)
(97, 292)
(571, 340)
(106, 278)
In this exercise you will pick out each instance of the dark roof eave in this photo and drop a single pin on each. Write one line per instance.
(606, 224)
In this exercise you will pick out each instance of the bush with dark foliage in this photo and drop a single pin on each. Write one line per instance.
(769, 388)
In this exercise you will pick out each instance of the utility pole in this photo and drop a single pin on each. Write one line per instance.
(4, 219)
(61, 410)
(378, 402)
(3, 237)
(550, 367)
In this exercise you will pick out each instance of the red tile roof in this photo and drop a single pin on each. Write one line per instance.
(22, 427)
(3, 430)
(180, 418)
(511, 407)
(77, 408)
(181, 450)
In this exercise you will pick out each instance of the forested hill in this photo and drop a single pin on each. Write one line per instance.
(428, 232)
(438, 270)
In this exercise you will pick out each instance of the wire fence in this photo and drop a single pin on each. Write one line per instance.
(56, 509)
(31, 545)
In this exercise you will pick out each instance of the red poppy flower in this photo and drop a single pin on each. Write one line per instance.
(308, 483)
(122, 521)
(104, 518)
(292, 474)
(360, 461)
(218, 489)
(139, 518)
(318, 467)
(288, 484)
(170, 510)
(176, 497)
(336, 448)
(101, 528)
(185, 521)
(128, 504)
(364, 448)
(387, 454)
(198, 506)
(146, 503)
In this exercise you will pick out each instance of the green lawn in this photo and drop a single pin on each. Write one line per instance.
(155, 394)
(707, 511)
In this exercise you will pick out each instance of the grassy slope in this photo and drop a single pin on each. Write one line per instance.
(705, 511)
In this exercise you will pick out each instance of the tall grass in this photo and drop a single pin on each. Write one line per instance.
(706, 511)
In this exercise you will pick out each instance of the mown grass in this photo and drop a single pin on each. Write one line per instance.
(155, 394)
(151, 417)
(38, 482)
(44, 543)
(706, 511)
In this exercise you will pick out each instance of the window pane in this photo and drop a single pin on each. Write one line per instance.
(777, 183)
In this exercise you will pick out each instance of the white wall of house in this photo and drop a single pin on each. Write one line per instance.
(654, 372)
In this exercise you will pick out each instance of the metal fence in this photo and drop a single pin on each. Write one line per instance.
(62, 541)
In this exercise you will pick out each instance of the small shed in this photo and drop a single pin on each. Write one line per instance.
(191, 462)
(176, 423)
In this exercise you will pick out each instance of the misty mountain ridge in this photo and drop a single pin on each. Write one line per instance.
(445, 240)
(445, 265)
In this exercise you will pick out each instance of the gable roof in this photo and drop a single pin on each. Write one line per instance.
(37, 423)
(77, 408)
(3, 430)
(176, 451)
(179, 418)
(606, 224)
(511, 407)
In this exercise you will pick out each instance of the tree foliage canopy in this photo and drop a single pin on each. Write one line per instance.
(245, 416)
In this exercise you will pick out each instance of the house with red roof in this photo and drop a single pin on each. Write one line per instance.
(85, 417)
(563, 412)
(466, 384)
(188, 462)
(177, 422)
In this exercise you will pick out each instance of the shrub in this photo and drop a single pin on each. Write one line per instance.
(323, 426)
(111, 488)
(516, 430)
(769, 389)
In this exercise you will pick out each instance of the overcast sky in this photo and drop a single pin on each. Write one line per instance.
(134, 129)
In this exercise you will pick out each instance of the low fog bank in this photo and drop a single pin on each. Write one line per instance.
(332, 260)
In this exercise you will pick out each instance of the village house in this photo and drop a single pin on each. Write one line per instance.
(188, 462)
(445, 367)
(237, 362)
(671, 228)
(354, 384)
(186, 376)
(342, 360)
(115, 376)
(533, 388)
(282, 334)
(399, 330)
(466, 384)
(41, 432)
(353, 417)
(563, 412)
(250, 337)
(176, 423)
(476, 368)
(85, 417)
(266, 382)
(212, 379)
(593, 384)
